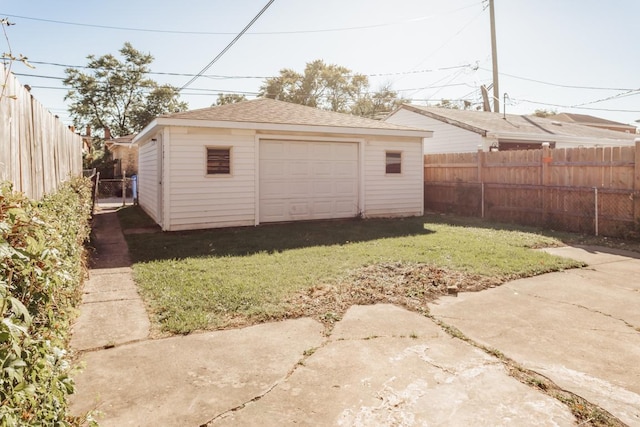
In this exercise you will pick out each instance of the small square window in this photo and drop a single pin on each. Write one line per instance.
(393, 162)
(218, 161)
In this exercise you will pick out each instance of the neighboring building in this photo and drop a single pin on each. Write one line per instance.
(459, 131)
(265, 161)
(596, 122)
(124, 154)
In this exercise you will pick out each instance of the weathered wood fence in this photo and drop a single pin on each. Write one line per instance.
(587, 190)
(37, 151)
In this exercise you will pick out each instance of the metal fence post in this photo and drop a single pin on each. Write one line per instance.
(124, 188)
(482, 198)
(595, 191)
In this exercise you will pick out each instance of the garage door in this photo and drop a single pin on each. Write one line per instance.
(302, 180)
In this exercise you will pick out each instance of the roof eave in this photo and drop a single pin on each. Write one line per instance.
(557, 138)
(148, 129)
(275, 127)
(444, 119)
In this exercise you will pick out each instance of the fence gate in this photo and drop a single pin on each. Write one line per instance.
(113, 188)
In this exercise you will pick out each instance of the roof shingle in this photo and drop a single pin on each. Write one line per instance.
(484, 122)
(264, 110)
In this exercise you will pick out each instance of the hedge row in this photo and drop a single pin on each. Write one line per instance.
(41, 271)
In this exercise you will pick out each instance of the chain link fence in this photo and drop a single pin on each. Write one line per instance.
(115, 191)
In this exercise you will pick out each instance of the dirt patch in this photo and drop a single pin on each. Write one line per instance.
(408, 285)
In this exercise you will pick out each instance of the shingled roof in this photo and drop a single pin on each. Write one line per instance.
(264, 110)
(483, 122)
(599, 122)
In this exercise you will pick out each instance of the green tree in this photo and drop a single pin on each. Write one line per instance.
(118, 94)
(329, 87)
(455, 104)
(378, 104)
(542, 112)
(229, 98)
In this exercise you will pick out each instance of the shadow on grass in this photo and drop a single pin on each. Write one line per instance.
(604, 244)
(270, 238)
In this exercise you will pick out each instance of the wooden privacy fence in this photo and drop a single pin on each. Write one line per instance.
(37, 151)
(588, 190)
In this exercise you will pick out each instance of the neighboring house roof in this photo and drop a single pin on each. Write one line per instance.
(126, 141)
(269, 114)
(587, 120)
(505, 125)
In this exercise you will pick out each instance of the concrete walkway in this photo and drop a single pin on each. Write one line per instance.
(112, 312)
(381, 364)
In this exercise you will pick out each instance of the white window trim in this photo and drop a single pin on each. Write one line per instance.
(206, 155)
(401, 163)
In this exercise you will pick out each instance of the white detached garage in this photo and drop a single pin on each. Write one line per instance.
(266, 161)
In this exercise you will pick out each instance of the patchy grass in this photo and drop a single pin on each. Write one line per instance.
(133, 217)
(228, 277)
(630, 244)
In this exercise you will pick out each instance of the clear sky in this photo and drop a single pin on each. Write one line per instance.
(427, 49)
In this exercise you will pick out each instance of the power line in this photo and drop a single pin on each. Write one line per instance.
(417, 89)
(200, 91)
(218, 33)
(576, 107)
(38, 76)
(235, 39)
(609, 98)
(449, 39)
(558, 84)
(217, 76)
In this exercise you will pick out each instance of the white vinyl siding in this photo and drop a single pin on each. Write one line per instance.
(199, 200)
(393, 194)
(446, 138)
(148, 179)
(303, 180)
(276, 177)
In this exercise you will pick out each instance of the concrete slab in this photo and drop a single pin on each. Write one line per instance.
(563, 326)
(387, 366)
(383, 320)
(590, 289)
(594, 255)
(188, 380)
(102, 280)
(112, 312)
(110, 322)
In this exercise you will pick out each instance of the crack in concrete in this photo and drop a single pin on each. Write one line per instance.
(109, 346)
(577, 272)
(305, 355)
(111, 300)
(592, 310)
(528, 377)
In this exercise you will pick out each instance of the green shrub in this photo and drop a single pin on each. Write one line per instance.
(41, 271)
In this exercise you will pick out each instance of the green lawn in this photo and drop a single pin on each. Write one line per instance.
(219, 278)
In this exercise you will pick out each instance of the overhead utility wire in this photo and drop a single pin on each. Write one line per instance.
(217, 76)
(235, 39)
(558, 84)
(210, 33)
(434, 86)
(609, 98)
(205, 92)
(571, 106)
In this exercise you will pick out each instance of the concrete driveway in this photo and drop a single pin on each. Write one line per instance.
(580, 328)
(380, 365)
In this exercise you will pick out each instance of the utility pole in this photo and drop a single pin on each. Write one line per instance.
(494, 59)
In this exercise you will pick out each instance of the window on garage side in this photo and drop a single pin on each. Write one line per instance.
(393, 162)
(218, 161)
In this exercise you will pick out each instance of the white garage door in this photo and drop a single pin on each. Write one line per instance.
(302, 180)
